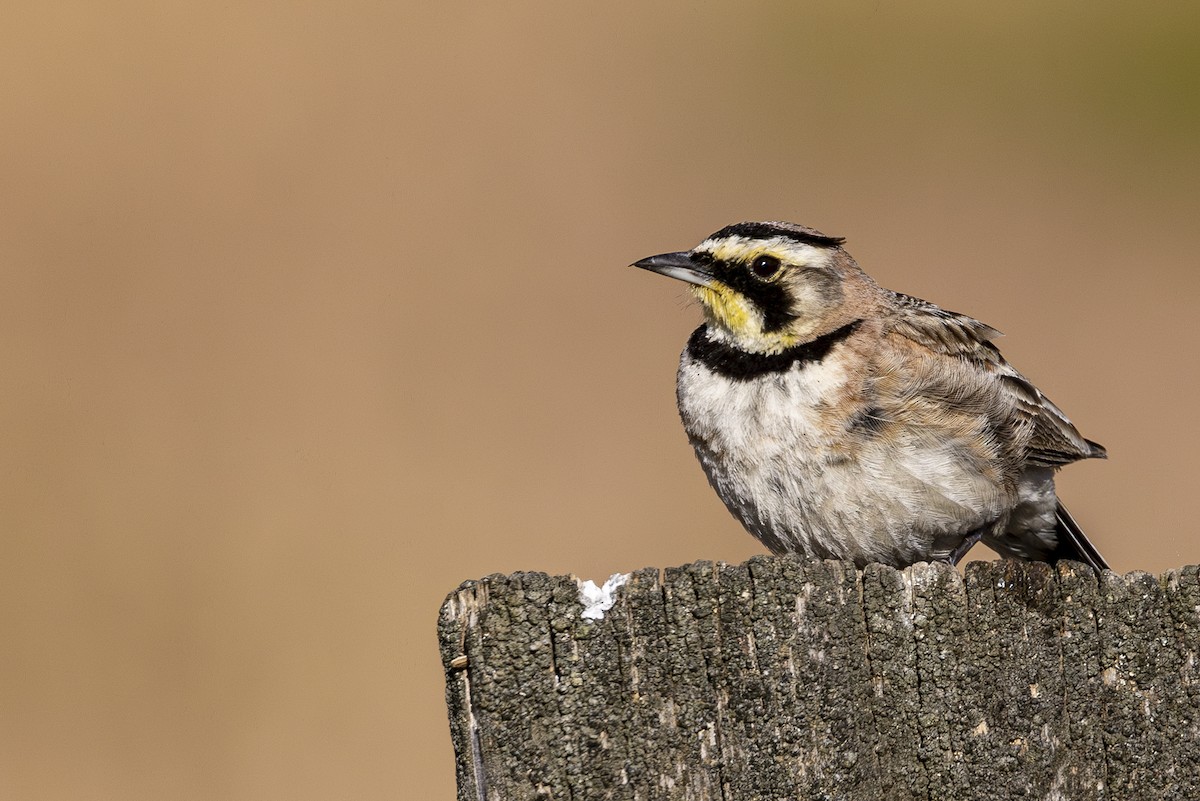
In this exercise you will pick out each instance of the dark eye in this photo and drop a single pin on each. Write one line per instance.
(764, 266)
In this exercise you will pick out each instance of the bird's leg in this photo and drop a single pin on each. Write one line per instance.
(967, 544)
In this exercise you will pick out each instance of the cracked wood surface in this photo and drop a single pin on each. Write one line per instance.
(789, 679)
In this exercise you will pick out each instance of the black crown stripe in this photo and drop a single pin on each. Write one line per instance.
(767, 230)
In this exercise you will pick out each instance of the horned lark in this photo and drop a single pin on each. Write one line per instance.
(839, 419)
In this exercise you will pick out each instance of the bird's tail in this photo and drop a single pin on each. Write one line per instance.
(1073, 543)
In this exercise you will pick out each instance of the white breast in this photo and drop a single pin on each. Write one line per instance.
(777, 450)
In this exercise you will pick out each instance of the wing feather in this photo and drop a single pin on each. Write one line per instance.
(1054, 440)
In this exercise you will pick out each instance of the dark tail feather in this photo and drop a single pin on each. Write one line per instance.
(1074, 544)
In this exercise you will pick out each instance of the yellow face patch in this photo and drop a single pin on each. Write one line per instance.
(731, 311)
(738, 318)
(727, 308)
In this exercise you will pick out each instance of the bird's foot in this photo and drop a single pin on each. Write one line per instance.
(967, 544)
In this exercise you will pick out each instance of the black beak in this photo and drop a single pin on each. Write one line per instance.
(677, 265)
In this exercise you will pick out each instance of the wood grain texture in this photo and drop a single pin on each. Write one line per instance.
(782, 678)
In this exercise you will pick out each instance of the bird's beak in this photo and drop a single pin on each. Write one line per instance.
(677, 265)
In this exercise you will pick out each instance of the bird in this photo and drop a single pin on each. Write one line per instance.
(837, 419)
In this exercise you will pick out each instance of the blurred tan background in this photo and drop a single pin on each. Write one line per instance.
(310, 311)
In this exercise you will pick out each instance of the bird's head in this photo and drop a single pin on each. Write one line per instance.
(768, 286)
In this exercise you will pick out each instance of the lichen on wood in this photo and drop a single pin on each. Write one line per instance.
(783, 678)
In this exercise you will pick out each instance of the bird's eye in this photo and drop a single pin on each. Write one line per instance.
(765, 266)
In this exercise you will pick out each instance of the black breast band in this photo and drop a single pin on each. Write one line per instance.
(731, 362)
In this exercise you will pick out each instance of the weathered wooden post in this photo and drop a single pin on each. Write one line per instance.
(790, 679)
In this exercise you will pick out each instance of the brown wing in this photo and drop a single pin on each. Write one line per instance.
(1055, 441)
